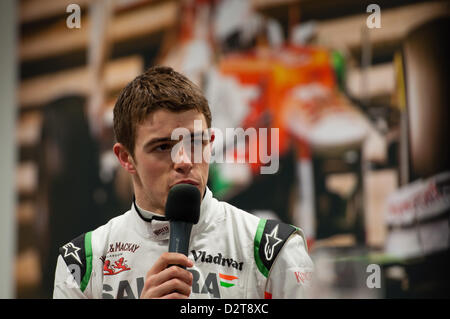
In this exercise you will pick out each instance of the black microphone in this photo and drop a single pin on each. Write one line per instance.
(183, 211)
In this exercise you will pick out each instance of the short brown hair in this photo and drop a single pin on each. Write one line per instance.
(158, 88)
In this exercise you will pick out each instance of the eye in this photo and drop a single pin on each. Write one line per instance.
(163, 147)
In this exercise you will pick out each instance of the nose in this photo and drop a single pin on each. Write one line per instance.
(182, 161)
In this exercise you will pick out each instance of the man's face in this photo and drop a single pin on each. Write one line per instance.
(160, 162)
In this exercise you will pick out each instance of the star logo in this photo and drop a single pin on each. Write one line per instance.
(271, 242)
(71, 250)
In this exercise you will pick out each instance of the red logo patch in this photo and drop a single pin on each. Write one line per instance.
(118, 267)
(303, 276)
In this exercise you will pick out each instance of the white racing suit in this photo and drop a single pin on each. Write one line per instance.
(235, 254)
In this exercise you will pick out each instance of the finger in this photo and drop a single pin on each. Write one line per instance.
(175, 295)
(170, 259)
(168, 274)
(173, 285)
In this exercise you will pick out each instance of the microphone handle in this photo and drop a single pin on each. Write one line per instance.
(180, 233)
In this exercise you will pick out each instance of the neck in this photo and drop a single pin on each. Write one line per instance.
(144, 201)
(147, 213)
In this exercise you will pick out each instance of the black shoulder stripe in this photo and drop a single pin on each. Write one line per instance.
(74, 254)
(270, 237)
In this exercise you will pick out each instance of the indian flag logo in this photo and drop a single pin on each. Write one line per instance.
(226, 280)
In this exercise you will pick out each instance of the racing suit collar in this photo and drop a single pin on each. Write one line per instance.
(149, 216)
(146, 215)
(207, 213)
(157, 227)
(148, 224)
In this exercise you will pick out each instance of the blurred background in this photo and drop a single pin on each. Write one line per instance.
(359, 93)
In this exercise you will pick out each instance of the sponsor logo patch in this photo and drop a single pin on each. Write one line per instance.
(71, 250)
(303, 276)
(271, 242)
(218, 259)
(116, 267)
(119, 247)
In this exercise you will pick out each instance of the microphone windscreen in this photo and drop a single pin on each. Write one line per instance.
(183, 203)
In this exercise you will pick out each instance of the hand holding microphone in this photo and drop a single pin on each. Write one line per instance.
(183, 211)
(162, 280)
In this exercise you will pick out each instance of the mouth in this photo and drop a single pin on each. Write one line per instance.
(186, 181)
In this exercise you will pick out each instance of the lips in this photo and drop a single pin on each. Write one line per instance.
(187, 181)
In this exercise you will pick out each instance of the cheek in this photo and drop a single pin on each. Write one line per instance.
(205, 173)
(207, 154)
(152, 171)
(204, 166)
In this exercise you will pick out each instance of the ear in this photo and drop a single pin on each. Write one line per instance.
(212, 135)
(125, 158)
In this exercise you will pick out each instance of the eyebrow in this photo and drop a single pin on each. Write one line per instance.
(157, 140)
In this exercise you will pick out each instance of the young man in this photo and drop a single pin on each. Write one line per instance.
(232, 254)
